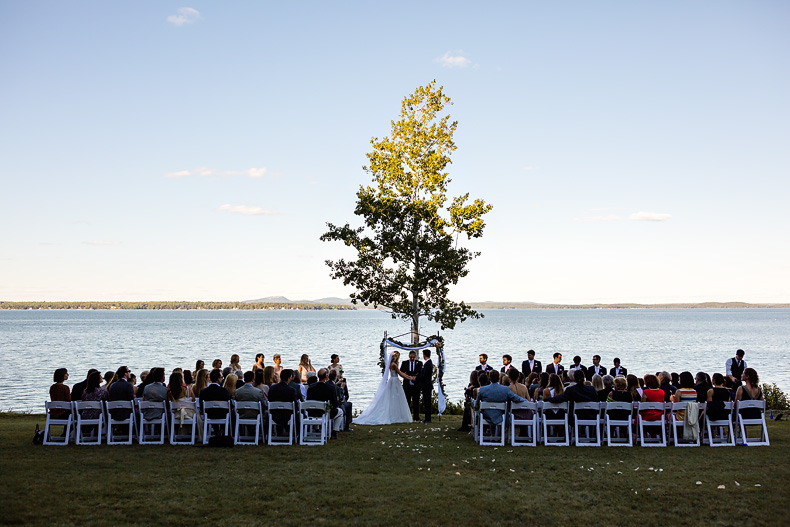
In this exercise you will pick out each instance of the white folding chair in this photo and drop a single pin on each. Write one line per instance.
(274, 437)
(183, 414)
(66, 422)
(528, 428)
(95, 424)
(247, 408)
(552, 423)
(496, 433)
(619, 431)
(148, 436)
(723, 427)
(744, 422)
(208, 422)
(586, 430)
(114, 424)
(661, 439)
(678, 424)
(313, 429)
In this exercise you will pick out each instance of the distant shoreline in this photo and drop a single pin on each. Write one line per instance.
(300, 306)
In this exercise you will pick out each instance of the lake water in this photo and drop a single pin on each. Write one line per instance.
(34, 343)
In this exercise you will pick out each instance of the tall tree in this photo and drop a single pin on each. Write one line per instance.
(407, 251)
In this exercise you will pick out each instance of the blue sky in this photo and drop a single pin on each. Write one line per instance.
(632, 151)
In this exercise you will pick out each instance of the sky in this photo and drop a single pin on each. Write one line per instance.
(632, 151)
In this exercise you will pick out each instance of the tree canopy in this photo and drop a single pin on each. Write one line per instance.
(407, 252)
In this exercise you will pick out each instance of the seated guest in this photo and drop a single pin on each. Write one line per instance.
(121, 390)
(618, 370)
(270, 376)
(227, 370)
(200, 383)
(665, 380)
(554, 388)
(495, 393)
(249, 392)
(321, 391)
(214, 392)
(297, 387)
(675, 379)
(701, 386)
(342, 396)
(532, 383)
(93, 392)
(155, 392)
(652, 394)
(77, 389)
(176, 387)
(578, 392)
(749, 391)
(608, 386)
(521, 390)
(469, 396)
(257, 383)
(230, 385)
(283, 392)
(109, 377)
(60, 392)
(717, 396)
(597, 383)
(686, 393)
(620, 394)
(634, 387)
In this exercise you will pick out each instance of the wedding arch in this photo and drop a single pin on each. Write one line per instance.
(434, 341)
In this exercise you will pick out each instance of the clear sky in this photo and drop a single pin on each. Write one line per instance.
(633, 151)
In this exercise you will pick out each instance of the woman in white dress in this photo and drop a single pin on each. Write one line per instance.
(389, 405)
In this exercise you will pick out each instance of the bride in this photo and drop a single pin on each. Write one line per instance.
(389, 405)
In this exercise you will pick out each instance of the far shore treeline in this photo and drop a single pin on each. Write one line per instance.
(182, 305)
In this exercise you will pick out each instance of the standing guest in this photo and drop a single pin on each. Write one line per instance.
(215, 392)
(234, 363)
(543, 385)
(155, 392)
(93, 392)
(666, 384)
(483, 366)
(200, 383)
(555, 367)
(121, 390)
(652, 394)
(701, 386)
(283, 392)
(230, 385)
(618, 370)
(258, 383)
(735, 366)
(216, 364)
(531, 365)
(596, 368)
(259, 365)
(60, 392)
(77, 389)
(278, 367)
(717, 396)
(270, 376)
(469, 396)
(685, 394)
(304, 367)
(507, 363)
(334, 364)
(199, 365)
(249, 392)
(749, 391)
(577, 365)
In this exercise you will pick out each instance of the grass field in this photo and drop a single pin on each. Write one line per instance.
(400, 474)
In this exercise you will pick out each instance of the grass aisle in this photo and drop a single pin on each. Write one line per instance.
(401, 474)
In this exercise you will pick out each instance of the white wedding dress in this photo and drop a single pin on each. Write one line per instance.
(389, 405)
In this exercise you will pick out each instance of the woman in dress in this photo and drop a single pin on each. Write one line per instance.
(717, 396)
(60, 392)
(199, 365)
(230, 385)
(685, 394)
(93, 392)
(258, 362)
(633, 387)
(259, 383)
(652, 394)
(750, 391)
(177, 390)
(270, 376)
(305, 366)
(200, 383)
(234, 363)
(278, 367)
(389, 405)
(334, 360)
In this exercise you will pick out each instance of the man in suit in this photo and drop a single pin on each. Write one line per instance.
(77, 389)
(282, 392)
(577, 365)
(214, 392)
(156, 392)
(483, 363)
(507, 362)
(596, 368)
(247, 392)
(531, 365)
(666, 384)
(297, 387)
(618, 371)
(121, 390)
(733, 368)
(578, 393)
(412, 368)
(323, 391)
(556, 367)
(425, 384)
(495, 393)
(342, 398)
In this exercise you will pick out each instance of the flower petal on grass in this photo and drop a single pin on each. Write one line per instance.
(721, 487)
(699, 483)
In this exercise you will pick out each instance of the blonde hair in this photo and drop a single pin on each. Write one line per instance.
(230, 384)
(200, 383)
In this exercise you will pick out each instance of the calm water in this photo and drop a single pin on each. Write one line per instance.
(34, 343)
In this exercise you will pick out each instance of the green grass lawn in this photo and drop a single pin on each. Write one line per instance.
(404, 474)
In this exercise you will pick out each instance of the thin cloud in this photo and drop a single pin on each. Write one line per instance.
(453, 61)
(206, 172)
(609, 217)
(650, 216)
(246, 210)
(529, 169)
(185, 15)
(98, 243)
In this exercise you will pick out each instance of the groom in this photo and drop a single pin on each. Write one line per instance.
(412, 368)
(425, 384)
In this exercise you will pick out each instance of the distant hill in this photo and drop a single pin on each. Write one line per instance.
(332, 300)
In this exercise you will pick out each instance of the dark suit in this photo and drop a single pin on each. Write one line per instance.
(578, 393)
(345, 404)
(320, 391)
(77, 389)
(424, 384)
(552, 368)
(593, 370)
(623, 372)
(480, 367)
(411, 388)
(297, 388)
(581, 367)
(121, 390)
(282, 393)
(536, 367)
(214, 392)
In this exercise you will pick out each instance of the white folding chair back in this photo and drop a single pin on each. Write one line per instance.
(277, 439)
(66, 422)
(619, 432)
(113, 425)
(496, 433)
(552, 424)
(183, 422)
(657, 426)
(219, 421)
(678, 424)
(313, 430)
(256, 423)
(98, 422)
(723, 427)
(587, 431)
(527, 428)
(147, 435)
(743, 423)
